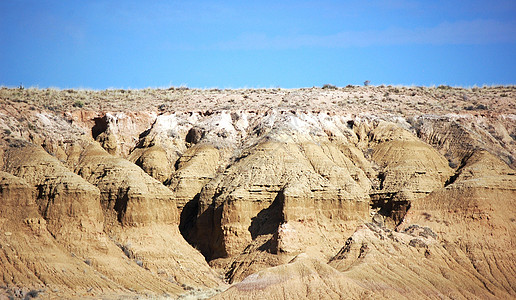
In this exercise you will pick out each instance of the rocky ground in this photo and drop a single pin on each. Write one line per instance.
(352, 193)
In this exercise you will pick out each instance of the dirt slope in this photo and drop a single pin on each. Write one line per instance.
(352, 193)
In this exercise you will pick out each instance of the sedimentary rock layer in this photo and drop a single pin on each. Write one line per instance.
(279, 193)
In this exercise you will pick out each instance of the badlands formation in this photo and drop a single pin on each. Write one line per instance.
(317, 193)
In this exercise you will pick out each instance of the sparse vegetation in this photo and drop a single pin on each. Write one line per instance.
(329, 87)
(332, 115)
(78, 103)
(390, 99)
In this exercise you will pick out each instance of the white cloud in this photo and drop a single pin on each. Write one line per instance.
(448, 33)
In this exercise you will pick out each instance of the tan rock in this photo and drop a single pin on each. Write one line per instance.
(108, 141)
(256, 178)
(141, 217)
(409, 170)
(154, 161)
(302, 278)
(196, 167)
(64, 199)
(73, 216)
(473, 132)
(275, 190)
(475, 217)
(408, 264)
(128, 195)
(29, 256)
(117, 132)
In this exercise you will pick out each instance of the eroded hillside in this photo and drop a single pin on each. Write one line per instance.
(356, 192)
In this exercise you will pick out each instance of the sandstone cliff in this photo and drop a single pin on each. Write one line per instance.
(283, 194)
(70, 211)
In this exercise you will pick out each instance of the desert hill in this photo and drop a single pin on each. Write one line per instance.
(354, 193)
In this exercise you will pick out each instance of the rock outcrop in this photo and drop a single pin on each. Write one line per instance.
(142, 218)
(57, 217)
(494, 134)
(409, 170)
(128, 195)
(68, 203)
(474, 214)
(301, 278)
(32, 262)
(272, 184)
(196, 167)
(305, 193)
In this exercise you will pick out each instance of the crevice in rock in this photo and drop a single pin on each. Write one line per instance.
(391, 209)
(121, 204)
(381, 179)
(203, 231)
(195, 135)
(454, 177)
(176, 167)
(142, 135)
(99, 127)
(188, 217)
(268, 220)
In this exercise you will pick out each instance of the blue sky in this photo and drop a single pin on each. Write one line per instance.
(231, 44)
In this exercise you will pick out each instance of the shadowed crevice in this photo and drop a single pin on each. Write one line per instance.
(268, 220)
(99, 127)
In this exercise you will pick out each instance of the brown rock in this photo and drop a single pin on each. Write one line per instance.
(128, 195)
(29, 256)
(196, 167)
(409, 170)
(413, 263)
(297, 173)
(141, 217)
(73, 216)
(275, 190)
(475, 217)
(154, 161)
(64, 199)
(302, 278)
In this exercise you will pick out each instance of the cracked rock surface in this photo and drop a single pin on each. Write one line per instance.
(273, 194)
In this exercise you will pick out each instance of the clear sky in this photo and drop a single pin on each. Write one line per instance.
(230, 44)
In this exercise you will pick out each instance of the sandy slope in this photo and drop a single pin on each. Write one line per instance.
(356, 192)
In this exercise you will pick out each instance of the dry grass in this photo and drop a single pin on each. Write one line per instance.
(396, 100)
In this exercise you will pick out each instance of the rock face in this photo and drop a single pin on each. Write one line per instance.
(65, 200)
(302, 278)
(272, 185)
(141, 216)
(55, 226)
(286, 200)
(31, 259)
(76, 215)
(376, 262)
(128, 195)
(196, 167)
(116, 132)
(281, 195)
(409, 170)
(474, 214)
(154, 161)
(494, 134)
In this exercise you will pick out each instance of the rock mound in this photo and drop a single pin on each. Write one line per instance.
(373, 192)
(67, 212)
(302, 278)
(475, 217)
(141, 217)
